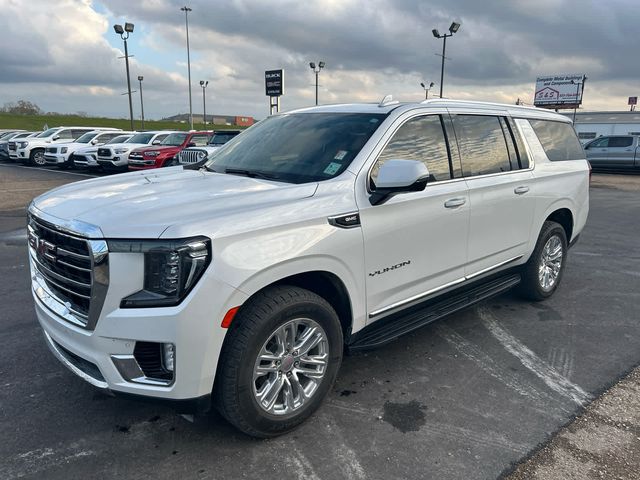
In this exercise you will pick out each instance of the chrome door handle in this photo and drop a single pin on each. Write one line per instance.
(455, 203)
(521, 190)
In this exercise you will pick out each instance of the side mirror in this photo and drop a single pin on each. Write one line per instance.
(399, 176)
(55, 137)
(156, 142)
(94, 142)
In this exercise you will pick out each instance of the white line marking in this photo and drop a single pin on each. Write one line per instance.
(346, 456)
(41, 169)
(550, 376)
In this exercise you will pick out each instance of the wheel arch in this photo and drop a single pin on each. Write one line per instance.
(564, 217)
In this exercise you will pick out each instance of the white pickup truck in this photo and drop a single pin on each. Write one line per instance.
(315, 231)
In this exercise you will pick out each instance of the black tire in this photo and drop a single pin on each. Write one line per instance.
(251, 328)
(36, 157)
(531, 286)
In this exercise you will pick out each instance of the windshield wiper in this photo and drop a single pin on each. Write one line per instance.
(251, 173)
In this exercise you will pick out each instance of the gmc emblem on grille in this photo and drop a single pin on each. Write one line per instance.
(47, 250)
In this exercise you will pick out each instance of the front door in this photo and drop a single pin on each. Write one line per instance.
(415, 243)
(621, 151)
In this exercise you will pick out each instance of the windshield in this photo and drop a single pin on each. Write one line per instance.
(87, 137)
(141, 138)
(119, 139)
(175, 139)
(48, 133)
(298, 147)
(221, 138)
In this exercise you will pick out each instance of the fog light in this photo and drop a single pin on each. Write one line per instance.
(168, 356)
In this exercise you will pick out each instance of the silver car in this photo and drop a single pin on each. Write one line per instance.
(614, 152)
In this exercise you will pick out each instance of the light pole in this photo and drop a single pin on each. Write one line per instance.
(452, 29)
(186, 11)
(140, 78)
(577, 84)
(204, 84)
(124, 35)
(316, 71)
(426, 89)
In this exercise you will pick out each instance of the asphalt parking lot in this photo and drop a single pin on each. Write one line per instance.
(463, 398)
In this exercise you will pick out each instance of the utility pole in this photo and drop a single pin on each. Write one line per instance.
(204, 85)
(186, 11)
(140, 78)
(124, 35)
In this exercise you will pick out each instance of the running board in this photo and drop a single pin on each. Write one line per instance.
(388, 329)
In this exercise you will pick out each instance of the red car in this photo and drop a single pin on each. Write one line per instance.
(164, 154)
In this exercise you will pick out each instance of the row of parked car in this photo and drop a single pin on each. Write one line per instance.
(110, 149)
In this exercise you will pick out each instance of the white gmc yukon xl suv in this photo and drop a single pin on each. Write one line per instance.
(315, 232)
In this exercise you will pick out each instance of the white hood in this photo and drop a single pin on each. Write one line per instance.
(144, 204)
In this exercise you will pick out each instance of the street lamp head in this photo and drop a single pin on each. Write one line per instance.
(454, 27)
(431, 85)
(422, 85)
(140, 78)
(128, 27)
(312, 65)
(118, 29)
(321, 65)
(206, 83)
(436, 33)
(201, 82)
(185, 9)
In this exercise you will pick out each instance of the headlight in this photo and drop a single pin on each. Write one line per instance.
(201, 155)
(171, 269)
(63, 150)
(120, 151)
(23, 144)
(153, 153)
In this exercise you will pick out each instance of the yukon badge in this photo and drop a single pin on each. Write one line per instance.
(388, 269)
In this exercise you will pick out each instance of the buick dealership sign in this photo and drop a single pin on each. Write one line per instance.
(274, 83)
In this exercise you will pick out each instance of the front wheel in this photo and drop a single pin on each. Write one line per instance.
(542, 273)
(279, 360)
(37, 157)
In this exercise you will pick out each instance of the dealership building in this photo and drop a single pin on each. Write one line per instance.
(590, 125)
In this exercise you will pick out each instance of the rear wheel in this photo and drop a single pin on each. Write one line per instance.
(280, 359)
(543, 272)
(37, 157)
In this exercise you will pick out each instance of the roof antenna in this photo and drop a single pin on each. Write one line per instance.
(387, 100)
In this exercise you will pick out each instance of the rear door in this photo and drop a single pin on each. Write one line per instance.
(621, 151)
(597, 152)
(501, 190)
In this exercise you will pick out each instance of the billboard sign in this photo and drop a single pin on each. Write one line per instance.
(559, 91)
(274, 83)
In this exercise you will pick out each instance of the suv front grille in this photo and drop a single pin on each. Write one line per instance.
(104, 152)
(12, 145)
(191, 156)
(67, 265)
(50, 150)
(135, 156)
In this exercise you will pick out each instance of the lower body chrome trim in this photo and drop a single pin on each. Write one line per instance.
(422, 295)
(60, 355)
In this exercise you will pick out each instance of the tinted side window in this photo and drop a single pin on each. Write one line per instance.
(620, 141)
(78, 133)
(522, 151)
(421, 139)
(558, 139)
(482, 145)
(160, 138)
(600, 143)
(64, 134)
(199, 140)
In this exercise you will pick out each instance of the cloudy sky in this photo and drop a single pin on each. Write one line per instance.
(63, 54)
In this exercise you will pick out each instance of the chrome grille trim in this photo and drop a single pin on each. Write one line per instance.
(189, 156)
(70, 272)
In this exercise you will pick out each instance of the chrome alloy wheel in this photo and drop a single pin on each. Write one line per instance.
(550, 263)
(290, 366)
(38, 158)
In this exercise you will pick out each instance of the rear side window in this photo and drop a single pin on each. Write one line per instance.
(482, 144)
(558, 139)
(65, 135)
(600, 143)
(620, 142)
(421, 139)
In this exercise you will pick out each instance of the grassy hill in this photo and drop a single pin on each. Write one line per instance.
(37, 122)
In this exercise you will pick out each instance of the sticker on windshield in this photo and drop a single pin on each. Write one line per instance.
(332, 168)
(340, 155)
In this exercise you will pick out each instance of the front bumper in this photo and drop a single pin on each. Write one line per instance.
(96, 355)
(18, 155)
(114, 163)
(84, 161)
(55, 158)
